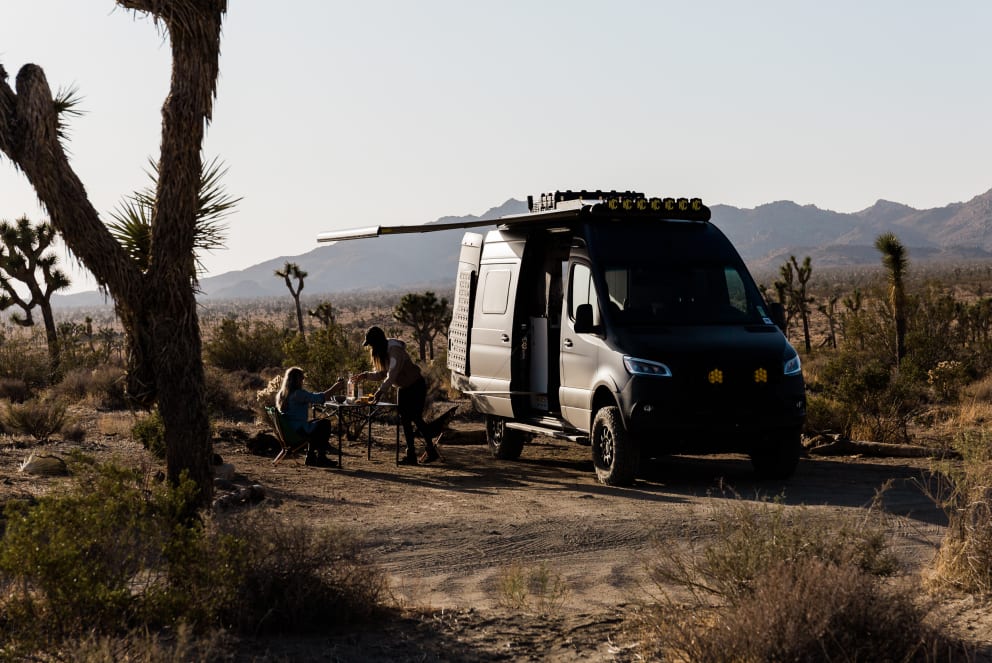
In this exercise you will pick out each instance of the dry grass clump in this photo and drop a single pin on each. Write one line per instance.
(101, 387)
(964, 561)
(777, 585)
(38, 418)
(539, 590)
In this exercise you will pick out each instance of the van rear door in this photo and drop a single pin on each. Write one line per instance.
(491, 349)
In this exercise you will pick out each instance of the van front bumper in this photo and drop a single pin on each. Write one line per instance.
(711, 416)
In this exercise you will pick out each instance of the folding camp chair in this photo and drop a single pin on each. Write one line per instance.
(290, 441)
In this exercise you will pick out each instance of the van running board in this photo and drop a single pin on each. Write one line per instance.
(550, 428)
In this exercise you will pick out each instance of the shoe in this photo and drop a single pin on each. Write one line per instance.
(407, 460)
(429, 456)
(320, 461)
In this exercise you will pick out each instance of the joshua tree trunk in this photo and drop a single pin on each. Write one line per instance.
(157, 307)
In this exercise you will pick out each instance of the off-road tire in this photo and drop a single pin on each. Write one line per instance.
(615, 454)
(777, 459)
(504, 443)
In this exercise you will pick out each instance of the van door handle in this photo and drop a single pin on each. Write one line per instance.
(567, 342)
(505, 338)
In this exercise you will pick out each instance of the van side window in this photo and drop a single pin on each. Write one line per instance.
(582, 290)
(496, 291)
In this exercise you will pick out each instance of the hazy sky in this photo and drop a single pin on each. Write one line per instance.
(336, 114)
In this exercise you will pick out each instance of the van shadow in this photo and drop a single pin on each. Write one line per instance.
(898, 489)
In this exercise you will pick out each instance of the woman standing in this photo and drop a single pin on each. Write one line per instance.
(293, 402)
(393, 365)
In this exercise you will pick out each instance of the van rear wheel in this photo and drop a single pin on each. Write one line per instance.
(615, 455)
(504, 443)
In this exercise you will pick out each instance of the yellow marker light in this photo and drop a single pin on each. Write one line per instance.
(715, 376)
(761, 375)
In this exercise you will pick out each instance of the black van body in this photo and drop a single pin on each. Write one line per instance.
(626, 323)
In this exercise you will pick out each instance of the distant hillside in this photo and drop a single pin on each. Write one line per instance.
(765, 236)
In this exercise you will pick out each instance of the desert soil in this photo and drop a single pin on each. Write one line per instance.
(446, 533)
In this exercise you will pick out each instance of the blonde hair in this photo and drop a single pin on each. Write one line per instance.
(291, 381)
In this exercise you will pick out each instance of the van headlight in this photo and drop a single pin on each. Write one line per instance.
(637, 366)
(793, 366)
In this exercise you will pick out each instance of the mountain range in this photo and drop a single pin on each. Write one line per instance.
(765, 236)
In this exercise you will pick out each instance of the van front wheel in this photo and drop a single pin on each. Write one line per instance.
(504, 443)
(615, 455)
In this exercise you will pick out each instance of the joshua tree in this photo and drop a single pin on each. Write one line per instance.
(22, 256)
(793, 291)
(155, 300)
(293, 271)
(895, 260)
(426, 315)
(324, 312)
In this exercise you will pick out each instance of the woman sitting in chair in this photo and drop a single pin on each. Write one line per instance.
(293, 402)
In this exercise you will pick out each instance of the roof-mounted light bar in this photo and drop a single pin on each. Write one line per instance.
(599, 202)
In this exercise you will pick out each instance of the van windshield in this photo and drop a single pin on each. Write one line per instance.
(649, 294)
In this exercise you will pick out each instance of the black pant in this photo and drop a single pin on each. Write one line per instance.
(319, 438)
(410, 401)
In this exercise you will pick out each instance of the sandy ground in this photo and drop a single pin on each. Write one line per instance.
(447, 533)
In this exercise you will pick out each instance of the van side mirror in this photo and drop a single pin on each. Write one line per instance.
(583, 319)
(777, 312)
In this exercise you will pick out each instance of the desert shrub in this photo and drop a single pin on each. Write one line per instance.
(103, 386)
(39, 418)
(299, 579)
(827, 415)
(25, 359)
(326, 354)
(220, 390)
(149, 430)
(69, 561)
(773, 585)
(805, 610)
(540, 590)
(882, 399)
(964, 560)
(947, 379)
(15, 390)
(73, 431)
(116, 554)
(245, 345)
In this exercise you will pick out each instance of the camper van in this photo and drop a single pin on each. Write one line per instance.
(626, 323)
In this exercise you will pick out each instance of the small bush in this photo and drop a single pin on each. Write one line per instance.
(73, 431)
(15, 390)
(777, 585)
(115, 555)
(102, 386)
(964, 560)
(150, 432)
(38, 418)
(27, 360)
(299, 579)
(245, 345)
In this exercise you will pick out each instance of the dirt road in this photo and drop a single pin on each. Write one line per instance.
(448, 532)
